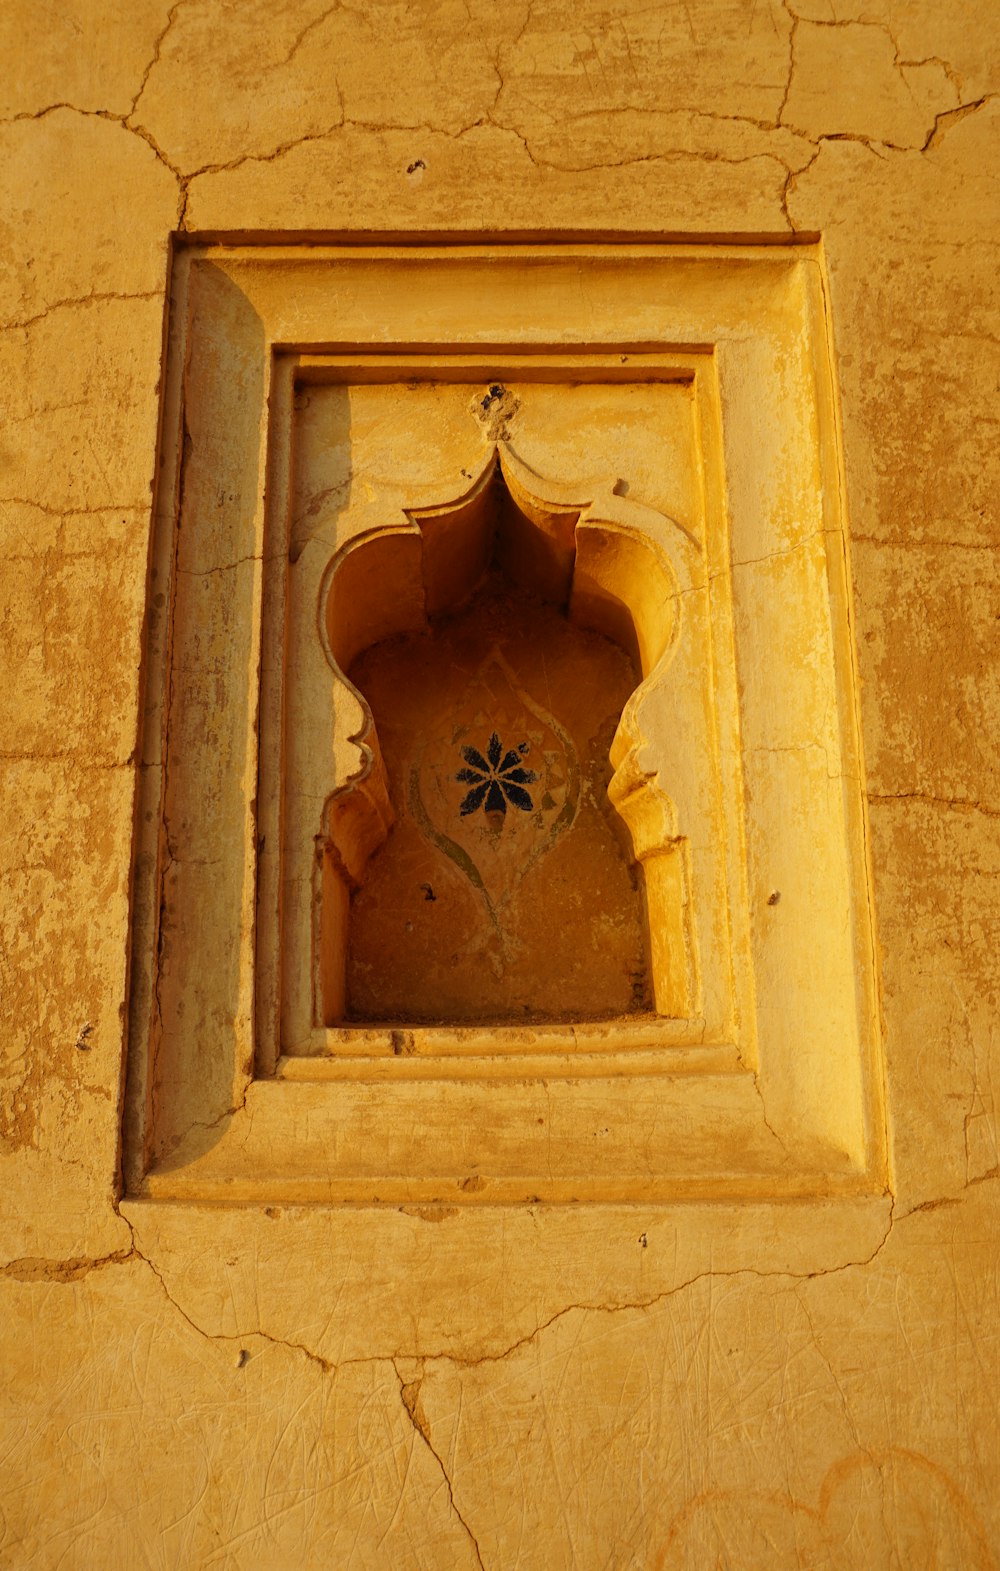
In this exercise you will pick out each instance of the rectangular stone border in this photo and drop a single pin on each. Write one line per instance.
(670, 1045)
(730, 1153)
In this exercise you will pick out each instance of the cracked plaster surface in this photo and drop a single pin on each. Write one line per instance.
(639, 83)
(93, 55)
(340, 1457)
(535, 54)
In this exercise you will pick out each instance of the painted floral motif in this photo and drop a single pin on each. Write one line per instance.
(497, 779)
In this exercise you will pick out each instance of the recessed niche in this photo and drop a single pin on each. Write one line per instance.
(486, 861)
(402, 916)
(506, 888)
(499, 677)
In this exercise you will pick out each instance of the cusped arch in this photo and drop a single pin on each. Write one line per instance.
(612, 566)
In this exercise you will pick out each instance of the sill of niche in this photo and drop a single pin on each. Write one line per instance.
(447, 1052)
(395, 1038)
(175, 1185)
(297, 1142)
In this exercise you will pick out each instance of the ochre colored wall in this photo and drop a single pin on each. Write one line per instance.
(265, 1410)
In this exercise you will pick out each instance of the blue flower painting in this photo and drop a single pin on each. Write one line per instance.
(497, 779)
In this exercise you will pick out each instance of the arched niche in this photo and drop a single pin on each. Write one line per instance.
(512, 557)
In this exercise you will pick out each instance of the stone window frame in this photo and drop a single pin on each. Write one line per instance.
(237, 1121)
(623, 557)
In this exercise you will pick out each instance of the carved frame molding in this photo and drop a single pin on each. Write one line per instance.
(790, 1101)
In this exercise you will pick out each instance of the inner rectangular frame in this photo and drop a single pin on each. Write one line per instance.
(674, 1044)
(292, 1103)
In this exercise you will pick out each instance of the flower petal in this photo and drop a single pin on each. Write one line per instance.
(518, 797)
(470, 776)
(475, 758)
(494, 801)
(494, 750)
(519, 775)
(473, 800)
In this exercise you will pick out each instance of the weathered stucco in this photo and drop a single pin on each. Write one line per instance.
(298, 1386)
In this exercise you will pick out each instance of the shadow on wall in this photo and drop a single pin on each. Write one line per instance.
(889, 1511)
(198, 1016)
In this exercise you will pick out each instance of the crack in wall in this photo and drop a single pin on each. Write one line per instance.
(950, 117)
(115, 119)
(31, 1269)
(942, 122)
(410, 1395)
(280, 149)
(134, 1253)
(780, 120)
(424, 1357)
(641, 1305)
(945, 1201)
(880, 148)
(942, 119)
(72, 302)
(71, 1270)
(71, 511)
(35, 1269)
(960, 804)
(303, 34)
(227, 567)
(155, 56)
(763, 1110)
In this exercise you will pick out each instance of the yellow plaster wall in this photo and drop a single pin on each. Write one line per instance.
(267, 1411)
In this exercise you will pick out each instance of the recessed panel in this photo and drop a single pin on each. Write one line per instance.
(476, 605)
(502, 831)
